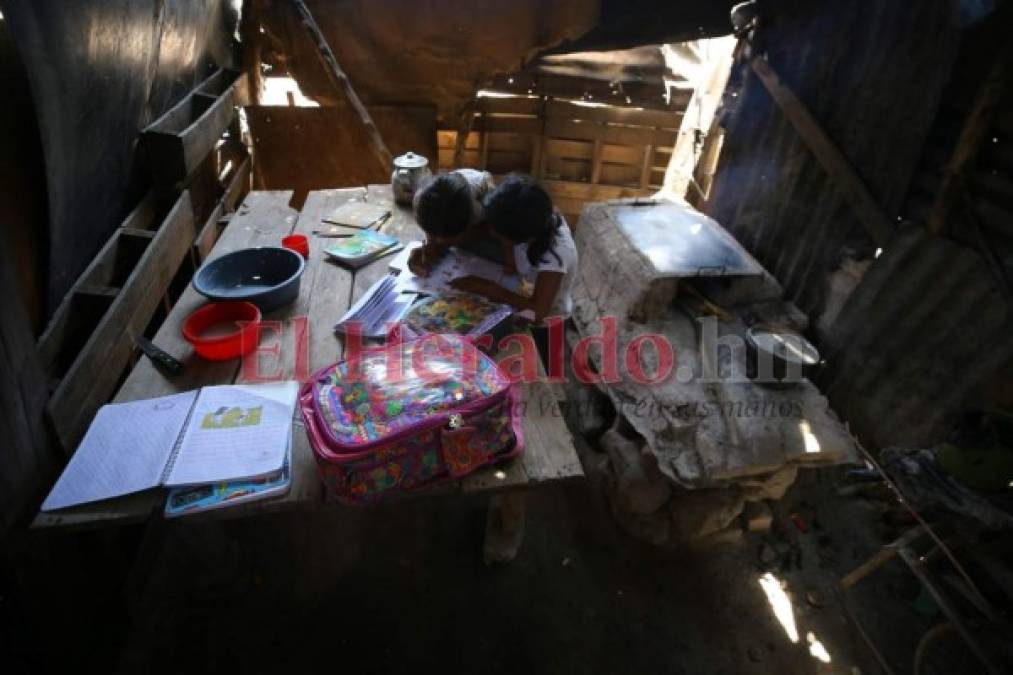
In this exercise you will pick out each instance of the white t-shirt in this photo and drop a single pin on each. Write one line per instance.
(566, 250)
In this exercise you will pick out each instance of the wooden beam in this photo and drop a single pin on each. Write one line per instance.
(338, 77)
(854, 190)
(647, 167)
(596, 162)
(971, 137)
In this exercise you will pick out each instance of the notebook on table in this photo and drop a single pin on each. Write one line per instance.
(197, 498)
(362, 247)
(358, 214)
(213, 435)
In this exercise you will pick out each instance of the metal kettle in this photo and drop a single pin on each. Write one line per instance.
(410, 170)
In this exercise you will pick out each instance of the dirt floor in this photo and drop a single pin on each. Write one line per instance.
(402, 589)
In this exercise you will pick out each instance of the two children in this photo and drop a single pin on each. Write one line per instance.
(514, 224)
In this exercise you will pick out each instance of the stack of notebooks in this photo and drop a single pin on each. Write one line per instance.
(214, 447)
(362, 247)
(380, 307)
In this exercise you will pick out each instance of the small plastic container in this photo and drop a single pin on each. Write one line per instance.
(220, 331)
(298, 243)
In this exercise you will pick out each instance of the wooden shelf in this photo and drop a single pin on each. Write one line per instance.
(178, 141)
(89, 343)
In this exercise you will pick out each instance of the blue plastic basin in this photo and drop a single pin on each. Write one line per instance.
(267, 276)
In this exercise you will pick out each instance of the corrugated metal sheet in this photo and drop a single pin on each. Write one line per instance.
(927, 324)
(872, 74)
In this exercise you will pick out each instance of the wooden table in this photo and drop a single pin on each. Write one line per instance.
(326, 292)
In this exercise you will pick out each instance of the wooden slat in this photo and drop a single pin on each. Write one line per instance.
(569, 149)
(643, 118)
(596, 161)
(512, 105)
(590, 131)
(239, 184)
(209, 232)
(645, 169)
(622, 154)
(54, 337)
(92, 378)
(509, 142)
(332, 283)
(178, 141)
(515, 125)
(588, 192)
(620, 174)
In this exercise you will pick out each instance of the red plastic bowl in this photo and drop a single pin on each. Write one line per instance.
(216, 333)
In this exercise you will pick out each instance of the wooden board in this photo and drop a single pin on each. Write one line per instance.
(315, 148)
(325, 293)
(179, 140)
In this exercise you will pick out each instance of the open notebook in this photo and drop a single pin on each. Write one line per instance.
(216, 434)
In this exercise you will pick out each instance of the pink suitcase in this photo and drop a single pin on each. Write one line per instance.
(398, 418)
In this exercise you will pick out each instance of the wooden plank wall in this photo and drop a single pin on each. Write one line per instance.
(580, 152)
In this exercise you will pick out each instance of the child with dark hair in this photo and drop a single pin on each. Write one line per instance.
(449, 209)
(520, 213)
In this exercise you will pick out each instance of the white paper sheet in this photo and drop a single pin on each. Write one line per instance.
(400, 261)
(455, 263)
(382, 304)
(125, 450)
(235, 432)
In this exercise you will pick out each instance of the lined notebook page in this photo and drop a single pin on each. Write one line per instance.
(125, 450)
(236, 432)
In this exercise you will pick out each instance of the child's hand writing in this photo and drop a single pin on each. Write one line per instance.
(418, 263)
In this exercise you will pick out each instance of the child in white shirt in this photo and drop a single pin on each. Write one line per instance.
(520, 213)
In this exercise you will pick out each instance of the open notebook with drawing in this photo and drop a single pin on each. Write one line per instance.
(216, 434)
(455, 263)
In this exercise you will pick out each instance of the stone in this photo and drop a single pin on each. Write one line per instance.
(756, 517)
(697, 513)
(771, 486)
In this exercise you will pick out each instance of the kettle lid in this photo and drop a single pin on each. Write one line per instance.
(410, 160)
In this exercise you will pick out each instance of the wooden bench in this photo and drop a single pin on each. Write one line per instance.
(326, 292)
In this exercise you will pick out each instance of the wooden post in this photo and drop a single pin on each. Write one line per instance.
(596, 161)
(854, 190)
(466, 122)
(249, 29)
(338, 77)
(647, 167)
(483, 150)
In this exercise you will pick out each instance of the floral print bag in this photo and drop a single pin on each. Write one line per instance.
(408, 415)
